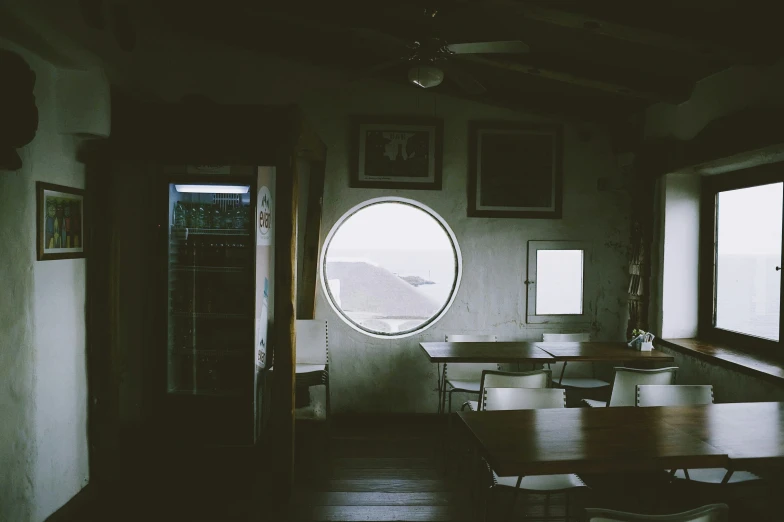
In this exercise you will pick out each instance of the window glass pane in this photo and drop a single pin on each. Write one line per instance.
(390, 268)
(559, 282)
(748, 252)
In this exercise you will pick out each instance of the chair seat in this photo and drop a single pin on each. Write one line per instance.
(472, 405)
(310, 374)
(582, 382)
(716, 475)
(594, 404)
(541, 482)
(466, 386)
(310, 368)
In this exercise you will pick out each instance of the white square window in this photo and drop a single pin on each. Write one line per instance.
(558, 288)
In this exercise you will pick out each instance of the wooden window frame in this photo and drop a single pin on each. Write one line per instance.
(711, 186)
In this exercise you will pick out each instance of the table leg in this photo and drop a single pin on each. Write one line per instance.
(514, 497)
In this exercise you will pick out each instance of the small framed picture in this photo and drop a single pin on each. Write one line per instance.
(399, 153)
(60, 227)
(514, 170)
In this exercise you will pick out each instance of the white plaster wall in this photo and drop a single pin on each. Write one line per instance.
(680, 256)
(718, 95)
(713, 97)
(43, 397)
(393, 375)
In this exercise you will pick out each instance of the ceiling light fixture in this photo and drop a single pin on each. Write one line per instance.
(425, 76)
(214, 189)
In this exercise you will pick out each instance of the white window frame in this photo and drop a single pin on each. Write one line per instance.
(322, 273)
(589, 282)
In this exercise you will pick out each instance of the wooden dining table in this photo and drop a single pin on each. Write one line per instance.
(586, 440)
(535, 352)
(601, 351)
(481, 352)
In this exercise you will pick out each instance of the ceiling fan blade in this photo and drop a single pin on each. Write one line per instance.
(464, 80)
(513, 46)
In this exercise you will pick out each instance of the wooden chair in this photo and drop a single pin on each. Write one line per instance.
(576, 375)
(464, 377)
(686, 395)
(623, 391)
(526, 399)
(709, 513)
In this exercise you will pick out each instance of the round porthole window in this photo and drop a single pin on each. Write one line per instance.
(390, 267)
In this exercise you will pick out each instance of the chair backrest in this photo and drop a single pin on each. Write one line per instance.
(533, 379)
(523, 398)
(469, 371)
(499, 379)
(566, 337)
(709, 513)
(624, 386)
(312, 341)
(674, 394)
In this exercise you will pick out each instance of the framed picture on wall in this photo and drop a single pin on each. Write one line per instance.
(60, 222)
(514, 170)
(400, 152)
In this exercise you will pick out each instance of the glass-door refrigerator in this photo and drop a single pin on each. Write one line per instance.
(211, 320)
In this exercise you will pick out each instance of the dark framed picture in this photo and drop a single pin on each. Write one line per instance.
(401, 153)
(514, 170)
(60, 222)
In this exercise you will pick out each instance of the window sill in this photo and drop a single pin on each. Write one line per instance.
(754, 364)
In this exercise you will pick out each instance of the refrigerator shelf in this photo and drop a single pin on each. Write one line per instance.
(185, 233)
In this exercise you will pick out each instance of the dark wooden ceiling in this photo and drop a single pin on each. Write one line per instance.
(598, 60)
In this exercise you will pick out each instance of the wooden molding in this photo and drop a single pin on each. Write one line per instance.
(307, 305)
(285, 342)
(675, 44)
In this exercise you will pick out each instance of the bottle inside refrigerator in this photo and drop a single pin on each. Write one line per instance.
(211, 290)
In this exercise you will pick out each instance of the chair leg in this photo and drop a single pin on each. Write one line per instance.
(514, 497)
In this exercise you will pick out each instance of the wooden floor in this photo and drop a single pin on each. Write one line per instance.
(375, 468)
(372, 468)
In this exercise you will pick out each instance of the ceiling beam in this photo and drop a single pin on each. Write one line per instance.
(675, 94)
(626, 33)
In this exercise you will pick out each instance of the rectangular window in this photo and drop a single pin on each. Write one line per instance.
(557, 282)
(741, 257)
(748, 259)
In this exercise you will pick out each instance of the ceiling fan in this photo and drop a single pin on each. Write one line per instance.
(432, 58)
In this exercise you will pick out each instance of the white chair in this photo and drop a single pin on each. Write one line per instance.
(624, 392)
(686, 395)
(709, 513)
(526, 399)
(312, 368)
(499, 379)
(574, 375)
(673, 394)
(464, 377)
